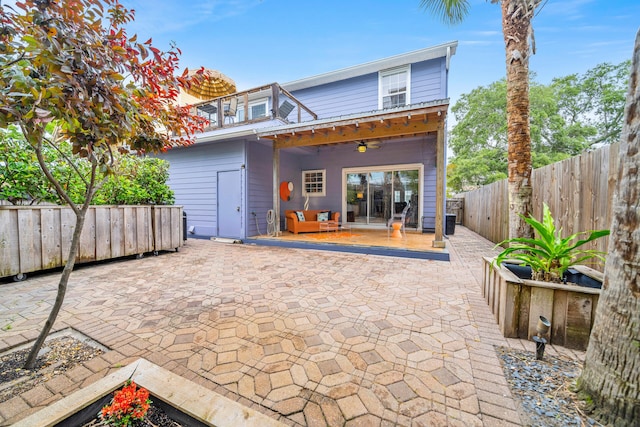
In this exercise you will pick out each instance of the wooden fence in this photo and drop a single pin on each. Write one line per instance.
(578, 191)
(38, 238)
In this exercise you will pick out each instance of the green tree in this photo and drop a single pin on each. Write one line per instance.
(517, 31)
(71, 63)
(564, 122)
(21, 180)
(611, 374)
(596, 98)
(137, 181)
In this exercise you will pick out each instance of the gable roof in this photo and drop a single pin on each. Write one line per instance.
(444, 50)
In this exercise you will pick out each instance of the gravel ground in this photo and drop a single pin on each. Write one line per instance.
(543, 388)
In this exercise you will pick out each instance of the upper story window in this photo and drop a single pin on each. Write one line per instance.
(313, 182)
(257, 109)
(394, 87)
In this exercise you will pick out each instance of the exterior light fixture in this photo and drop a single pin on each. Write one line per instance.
(542, 328)
(362, 147)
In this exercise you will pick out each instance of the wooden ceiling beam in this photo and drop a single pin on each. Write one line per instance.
(388, 130)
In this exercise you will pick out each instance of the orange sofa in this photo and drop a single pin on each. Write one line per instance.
(310, 223)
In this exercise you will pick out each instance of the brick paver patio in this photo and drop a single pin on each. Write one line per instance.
(307, 337)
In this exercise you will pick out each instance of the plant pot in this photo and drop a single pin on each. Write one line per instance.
(518, 302)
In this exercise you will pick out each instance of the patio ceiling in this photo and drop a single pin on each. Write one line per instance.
(385, 124)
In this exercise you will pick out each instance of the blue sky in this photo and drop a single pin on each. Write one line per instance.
(257, 42)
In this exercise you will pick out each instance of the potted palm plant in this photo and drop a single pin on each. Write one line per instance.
(549, 255)
(534, 276)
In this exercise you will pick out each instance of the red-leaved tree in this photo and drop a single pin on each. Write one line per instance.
(69, 71)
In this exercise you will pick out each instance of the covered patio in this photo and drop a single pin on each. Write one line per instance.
(391, 127)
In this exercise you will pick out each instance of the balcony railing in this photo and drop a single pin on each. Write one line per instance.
(255, 105)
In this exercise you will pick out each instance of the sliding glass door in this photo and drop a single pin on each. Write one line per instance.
(372, 194)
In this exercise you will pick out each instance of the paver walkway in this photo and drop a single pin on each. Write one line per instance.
(308, 337)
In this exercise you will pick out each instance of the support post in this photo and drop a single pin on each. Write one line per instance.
(439, 238)
(275, 100)
(276, 187)
(219, 113)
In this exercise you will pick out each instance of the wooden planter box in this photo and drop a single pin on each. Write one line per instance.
(38, 238)
(518, 303)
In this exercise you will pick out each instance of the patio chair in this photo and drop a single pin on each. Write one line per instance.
(230, 110)
(399, 217)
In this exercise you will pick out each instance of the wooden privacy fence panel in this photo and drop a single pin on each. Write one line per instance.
(39, 238)
(167, 227)
(486, 211)
(578, 191)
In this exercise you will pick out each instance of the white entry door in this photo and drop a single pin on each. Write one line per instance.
(229, 204)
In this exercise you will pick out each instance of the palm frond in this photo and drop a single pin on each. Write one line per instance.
(451, 12)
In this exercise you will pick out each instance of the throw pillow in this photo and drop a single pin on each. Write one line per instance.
(323, 216)
(300, 216)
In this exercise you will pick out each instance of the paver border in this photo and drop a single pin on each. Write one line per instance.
(194, 400)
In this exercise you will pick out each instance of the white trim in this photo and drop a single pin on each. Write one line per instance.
(324, 183)
(252, 104)
(398, 70)
(382, 168)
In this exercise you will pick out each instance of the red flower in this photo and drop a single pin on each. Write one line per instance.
(128, 405)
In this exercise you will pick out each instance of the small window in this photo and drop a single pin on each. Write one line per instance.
(393, 88)
(313, 183)
(257, 109)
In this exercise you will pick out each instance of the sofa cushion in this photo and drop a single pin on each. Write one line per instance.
(300, 216)
(323, 216)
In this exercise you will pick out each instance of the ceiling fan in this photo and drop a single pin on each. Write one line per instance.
(364, 146)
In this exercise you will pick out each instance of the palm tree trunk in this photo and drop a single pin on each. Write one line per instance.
(611, 375)
(516, 28)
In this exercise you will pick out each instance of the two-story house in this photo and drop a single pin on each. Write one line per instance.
(364, 141)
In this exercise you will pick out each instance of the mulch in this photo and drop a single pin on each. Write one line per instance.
(56, 357)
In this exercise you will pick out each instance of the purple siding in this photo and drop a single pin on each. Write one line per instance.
(427, 83)
(342, 97)
(193, 178)
(360, 94)
(260, 184)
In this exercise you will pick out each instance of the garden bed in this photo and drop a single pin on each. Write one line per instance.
(176, 393)
(518, 303)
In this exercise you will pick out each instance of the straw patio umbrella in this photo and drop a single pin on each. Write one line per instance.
(213, 85)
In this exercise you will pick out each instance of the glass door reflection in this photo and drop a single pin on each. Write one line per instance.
(374, 195)
(357, 194)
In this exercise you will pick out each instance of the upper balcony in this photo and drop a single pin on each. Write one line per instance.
(260, 104)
